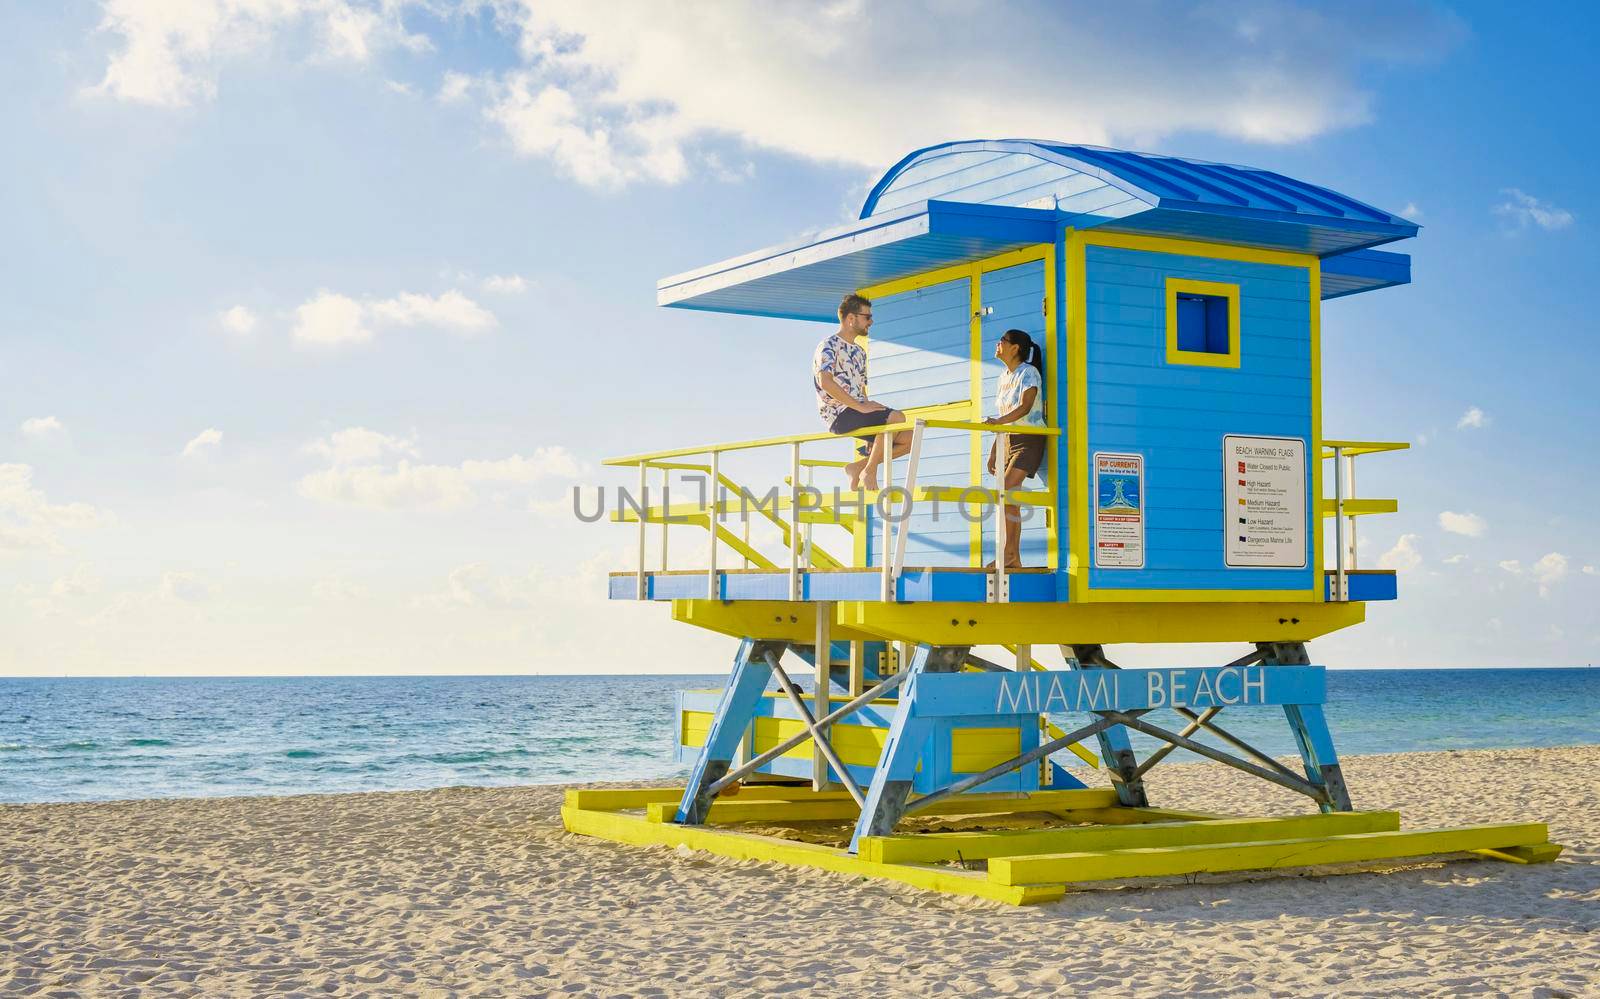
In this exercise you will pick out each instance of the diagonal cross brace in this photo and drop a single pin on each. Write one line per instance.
(810, 721)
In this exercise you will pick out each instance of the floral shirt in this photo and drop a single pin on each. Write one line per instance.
(1013, 386)
(847, 363)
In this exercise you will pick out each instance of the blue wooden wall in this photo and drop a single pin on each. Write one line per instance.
(919, 354)
(1176, 415)
(1016, 294)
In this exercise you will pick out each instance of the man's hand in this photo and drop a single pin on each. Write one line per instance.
(870, 407)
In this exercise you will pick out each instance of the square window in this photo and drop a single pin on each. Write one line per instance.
(1202, 323)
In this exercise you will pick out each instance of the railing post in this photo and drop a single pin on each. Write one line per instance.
(888, 589)
(1002, 464)
(794, 522)
(644, 525)
(821, 701)
(911, 491)
(666, 514)
(1339, 591)
(1350, 472)
(714, 515)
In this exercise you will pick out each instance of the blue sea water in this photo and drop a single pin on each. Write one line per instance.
(94, 739)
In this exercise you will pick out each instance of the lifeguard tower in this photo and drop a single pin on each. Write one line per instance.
(1189, 496)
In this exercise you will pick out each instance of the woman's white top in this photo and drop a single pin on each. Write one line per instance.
(1013, 386)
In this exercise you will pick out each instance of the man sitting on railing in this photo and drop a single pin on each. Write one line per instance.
(839, 373)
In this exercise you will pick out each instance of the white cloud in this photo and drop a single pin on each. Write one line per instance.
(1513, 566)
(454, 87)
(202, 443)
(1469, 524)
(1590, 570)
(1548, 571)
(335, 590)
(618, 92)
(1526, 210)
(41, 426)
(1455, 560)
(28, 520)
(1411, 211)
(170, 53)
(331, 320)
(1473, 418)
(354, 445)
(238, 321)
(436, 488)
(334, 320)
(613, 94)
(1404, 556)
(505, 284)
(451, 311)
(185, 587)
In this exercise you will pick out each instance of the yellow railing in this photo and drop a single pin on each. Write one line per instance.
(807, 506)
(1344, 507)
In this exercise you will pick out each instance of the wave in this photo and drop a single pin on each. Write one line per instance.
(148, 742)
(304, 754)
(479, 756)
(11, 747)
(79, 747)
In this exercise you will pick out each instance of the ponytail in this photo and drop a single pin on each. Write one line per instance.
(1031, 352)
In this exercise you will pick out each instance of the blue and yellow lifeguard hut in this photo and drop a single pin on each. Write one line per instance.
(1190, 496)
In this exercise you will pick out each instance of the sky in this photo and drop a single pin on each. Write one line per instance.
(313, 312)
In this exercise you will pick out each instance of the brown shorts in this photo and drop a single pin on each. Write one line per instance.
(1026, 452)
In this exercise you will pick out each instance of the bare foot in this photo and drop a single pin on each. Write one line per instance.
(869, 483)
(853, 470)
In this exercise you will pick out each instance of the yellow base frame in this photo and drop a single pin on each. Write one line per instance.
(1083, 836)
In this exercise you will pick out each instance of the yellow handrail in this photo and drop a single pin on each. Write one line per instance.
(924, 414)
(1351, 449)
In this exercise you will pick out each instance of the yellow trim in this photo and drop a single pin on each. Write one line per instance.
(975, 410)
(1052, 414)
(1077, 416)
(942, 847)
(917, 281)
(1100, 622)
(1314, 280)
(1360, 507)
(1202, 358)
(1169, 861)
(638, 831)
(1354, 448)
(1197, 248)
(1078, 427)
(1145, 596)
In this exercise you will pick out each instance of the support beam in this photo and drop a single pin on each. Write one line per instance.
(966, 784)
(1196, 722)
(735, 711)
(902, 750)
(1292, 783)
(848, 708)
(822, 700)
(1176, 860)
(1098, 622)
(936, 848)
(1116, 749)
(810, 721)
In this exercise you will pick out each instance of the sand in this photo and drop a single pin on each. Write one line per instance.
(468, 891)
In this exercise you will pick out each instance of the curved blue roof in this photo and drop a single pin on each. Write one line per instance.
(1139, 192)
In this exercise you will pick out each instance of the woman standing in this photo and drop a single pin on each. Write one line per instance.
(1019, 399)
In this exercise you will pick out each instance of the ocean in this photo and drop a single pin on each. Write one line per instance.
(109, 739)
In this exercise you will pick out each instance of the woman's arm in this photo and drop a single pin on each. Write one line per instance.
(1028, 395)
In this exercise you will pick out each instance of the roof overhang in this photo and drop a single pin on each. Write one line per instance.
(806, 279)
(1363, 270)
